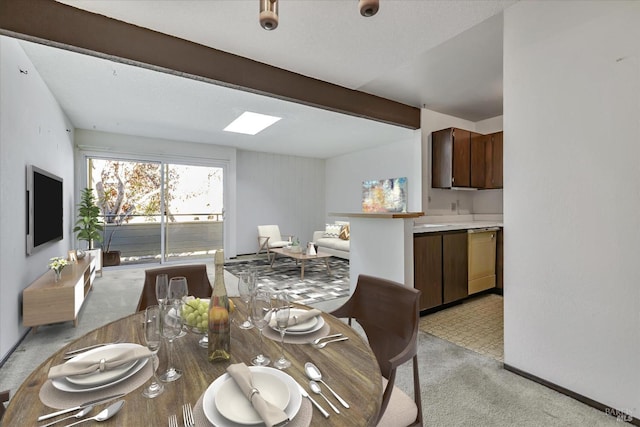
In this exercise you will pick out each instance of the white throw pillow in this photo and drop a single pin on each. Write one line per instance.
(332, 230)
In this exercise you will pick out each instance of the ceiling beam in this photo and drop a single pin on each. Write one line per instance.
(63, 26)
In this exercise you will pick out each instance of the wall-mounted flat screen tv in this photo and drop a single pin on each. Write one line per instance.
(44, 208)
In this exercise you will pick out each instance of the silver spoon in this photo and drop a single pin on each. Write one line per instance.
(317, 390)
(80, 414)
(314, 373)
(324, 344)
(105, 414)
(317, 340)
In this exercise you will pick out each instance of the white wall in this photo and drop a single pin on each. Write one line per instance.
(436, 201)
(283, 190)
(346, 173)
(33, 130)
(572, 196)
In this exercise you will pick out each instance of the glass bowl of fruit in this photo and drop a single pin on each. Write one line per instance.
(195, 317)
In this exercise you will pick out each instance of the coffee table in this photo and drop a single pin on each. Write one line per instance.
(302, 257)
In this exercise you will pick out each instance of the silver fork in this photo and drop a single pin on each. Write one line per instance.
(187, 415)
(173, 421)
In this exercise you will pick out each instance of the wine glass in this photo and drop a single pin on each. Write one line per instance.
(260, 307)
(152, 340)
(178, 290)
(162, 287)
(170, 328)
(281, 311)
(246, 287)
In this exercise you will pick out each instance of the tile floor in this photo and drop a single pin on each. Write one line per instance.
(476, 324)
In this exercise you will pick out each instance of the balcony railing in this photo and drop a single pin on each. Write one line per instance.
(187, 238)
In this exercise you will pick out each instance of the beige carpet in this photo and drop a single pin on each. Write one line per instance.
(459, 387)
(477, 324)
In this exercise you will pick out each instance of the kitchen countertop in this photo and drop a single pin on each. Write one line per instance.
(452, 226)
(378, 215)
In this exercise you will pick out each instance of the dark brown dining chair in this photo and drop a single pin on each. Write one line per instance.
(197, 281)
(4, 397)
(389, 314)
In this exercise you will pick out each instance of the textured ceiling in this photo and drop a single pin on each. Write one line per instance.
(445, 55)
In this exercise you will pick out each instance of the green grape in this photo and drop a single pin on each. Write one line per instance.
(195, 314)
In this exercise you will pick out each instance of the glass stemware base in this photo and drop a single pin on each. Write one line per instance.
(171, 375)
(281, 363)
(246, 325)
(155, 388)
(261, 360)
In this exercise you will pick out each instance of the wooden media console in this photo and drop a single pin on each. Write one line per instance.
(46, 301)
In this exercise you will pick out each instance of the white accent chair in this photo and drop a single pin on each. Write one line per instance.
(268, 238)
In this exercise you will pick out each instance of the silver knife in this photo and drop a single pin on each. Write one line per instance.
(77, 408)
(304, 393)
(83, 349)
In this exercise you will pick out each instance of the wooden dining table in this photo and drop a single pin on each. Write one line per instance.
(348, 367)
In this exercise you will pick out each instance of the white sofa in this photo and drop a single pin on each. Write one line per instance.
(329, 241)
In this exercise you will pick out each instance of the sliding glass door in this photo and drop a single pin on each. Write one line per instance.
(193, 207)
(156, 211)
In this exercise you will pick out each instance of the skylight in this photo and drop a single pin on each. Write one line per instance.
(251, 123)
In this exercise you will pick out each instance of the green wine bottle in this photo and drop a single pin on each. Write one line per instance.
(219, 320)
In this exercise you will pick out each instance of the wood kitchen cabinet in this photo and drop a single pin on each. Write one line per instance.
(478, 160)
(451, 157)
(427, 261)
(465, 159)
(493, 161)
(455, 282)
(440, 267)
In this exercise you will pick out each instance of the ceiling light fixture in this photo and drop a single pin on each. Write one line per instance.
(269, 11)
(269, 14)
(368, 7)
(251, 123)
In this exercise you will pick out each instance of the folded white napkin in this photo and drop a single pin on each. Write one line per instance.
(97, 362)
(297, 318)
(270, 414)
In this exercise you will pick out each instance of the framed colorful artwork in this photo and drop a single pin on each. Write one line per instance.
(384, 195)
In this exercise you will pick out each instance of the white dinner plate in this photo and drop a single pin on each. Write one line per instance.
(218, 420)
(316, 328)
(99, 378)
(304, 326)
(234, 405)
(64, 385)
(312, 325)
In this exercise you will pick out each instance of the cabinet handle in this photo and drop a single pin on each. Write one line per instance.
(453, 179)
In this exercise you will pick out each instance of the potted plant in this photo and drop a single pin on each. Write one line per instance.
(116, 210)
(110, 257)
(88, 226)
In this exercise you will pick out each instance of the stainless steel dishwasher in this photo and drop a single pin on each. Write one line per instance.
(482, 259)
